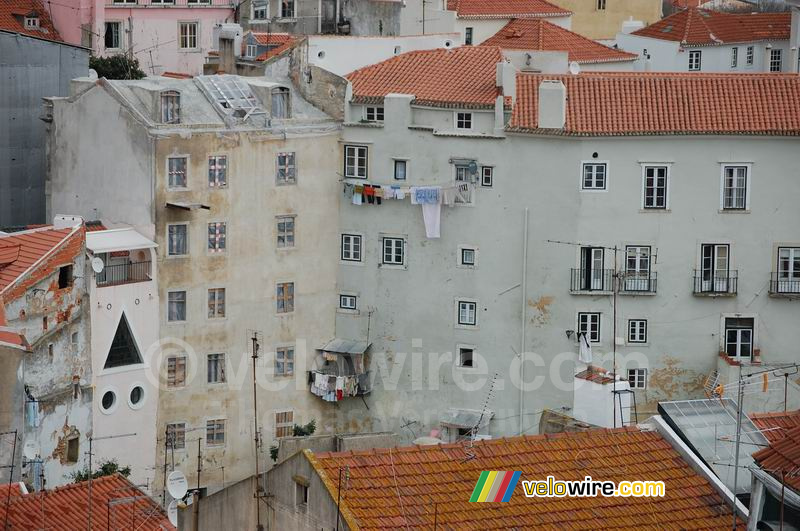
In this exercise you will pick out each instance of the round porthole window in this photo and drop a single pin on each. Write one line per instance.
(136, 396)
(321, 54)
(108, 401)
(448, 44)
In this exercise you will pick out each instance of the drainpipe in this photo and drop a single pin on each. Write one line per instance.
(523, 317)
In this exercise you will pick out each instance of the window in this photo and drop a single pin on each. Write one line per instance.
(592, 276)
(216, 368)
(123, 350)
(215, 432)
(694, 60)
(400, 170)
(286, 168)
(589, 324)
(301, 494)
(637, 331)
(284, 424)
(284, 361)
(65, 277)
(739, 337)
(280, 103)
(171, 107)
(136, 396)
(463, 120)
(188, 35)
(601, 5)
(393, 251)
(44, 327)
(373, 114)
(749, 55)
(351, 247)
(176, 171)
(176, 306)
(108, 401)
(714, 268)
(348, 302)
(734, 57)
(285, 297)
(176, 371)
(788, 270)
(113, 34)
(468, 36)
(637, 268)
(637, 378)
(178, 241)
(216, 237)
(355, 162)
(464, 174)
(176, 435)
(467, 313)
(487, 176)
(467, 256)
(31, 22)
(216, 303)
(261, 10)
(775, 62)
(287, 9)
(73, 449)
(218, 171)
(734, 187)
(252, 51)
(285, 226)
(465, 356)
(594, 176)
(655, 187)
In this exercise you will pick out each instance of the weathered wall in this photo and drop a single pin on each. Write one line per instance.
(231, 508)
(30, 69)
(371, 17)
(600, 24)
(11, 408)
(324, 89)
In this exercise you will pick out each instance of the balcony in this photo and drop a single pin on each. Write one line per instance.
(717, 284)
(128, 273)
(638, 283)
(591, 282)
(784, 285)
(333, 387)
(170, 3)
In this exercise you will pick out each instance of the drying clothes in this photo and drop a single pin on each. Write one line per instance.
(399, 193)
(449, 196)
(425, 195)
(357, 199)
(586, 349)
(387, 192)
(432, 217)
(348, 190)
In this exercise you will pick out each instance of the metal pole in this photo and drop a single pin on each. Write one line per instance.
(738, 441)
(166, 442)
(10, 478)
(255, 429)
(783, 492)
(198, 463)
(614, 343)
(89, 520)
(523, 317)
(338, 498)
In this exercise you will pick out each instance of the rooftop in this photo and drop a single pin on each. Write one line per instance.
(624, 103)
(782, 458)
(705, 27)
(541, 35)
(775, 425)
(476, 9)
(596, 375)
(280, 42)
(14, 12)
(413, 486)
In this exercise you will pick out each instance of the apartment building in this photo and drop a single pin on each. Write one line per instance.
(602, 19)
(645, 212)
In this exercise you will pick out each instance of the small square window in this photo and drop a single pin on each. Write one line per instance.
(287, 171)
(187, 35)
(176, 171)
(487, 176)
(637, 331)
(589, 324)
(285, 228)
(464, 120)
(73, 453)
(176, 306)
(216, 368)
(217, 239)
(251, 51)
(176, 371)
(176, 435)
(374, 114)
(216, 303)
(637, 378)
(287, 8)
(393, 251)
(284, 424)
(348, 302)
(217, 171)
(261, 11)
(284, 293)
(284, 361)
(594, 176)
(355, 162)
(215, 432)
(465, 356)
(178, 241)
(301, 495)
(467, 313)
(31, 22)
(113, 40)
(65, 277)
(400, 170)
(351, 247)
(694, 60)
(467, 256)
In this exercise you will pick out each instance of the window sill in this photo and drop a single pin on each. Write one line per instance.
(655, 211)
(594, 190)
(284, 314)
(637, 293)
(177, 322)
(596, 293)
(784, 295)
(177, 188)
(466, 327)
(636, 345)
(393, 266)
(177, 256)
(712, 295)
(734, 211)
(352, 262)
(345, 311)
(190, 50)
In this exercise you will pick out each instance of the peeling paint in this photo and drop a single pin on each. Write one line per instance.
(542, 306)
(674, 382)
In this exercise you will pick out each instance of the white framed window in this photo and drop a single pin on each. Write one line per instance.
(468, 36)
(216, 303)
(715, 265)
(694, 60)
(739, 340)
(463, 120)
(176, 172)
(284, 424)
(393, 251)
(637, 378)
(285, 229)
(589, 324)
(351, 247)
(171, 107)
(467, 256)
(355, 162)
(187, 35)
(251, 51)
(176, 371)
(735, 187)
(284, 294)
(217, 237)
(749, 55)
(466, 356)
(177, 239)
(215, 432)
(215, 364)
(467, 313)
(400, 169)
(218, 171)
(637, 330)
(788, 272)
(373, 113)
(655, 187)
(594, 175)
(261, 10)
(284, 361)
(288, 9)
(176, 435)
(734, 57)
(487, 176)
(463, 175)
(637, 269)
(31, 22)
(775, 60)
(176, 306)
(286, 168)
(348, 302)
(113, 35)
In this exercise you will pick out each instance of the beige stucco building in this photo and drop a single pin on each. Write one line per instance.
(602, 19)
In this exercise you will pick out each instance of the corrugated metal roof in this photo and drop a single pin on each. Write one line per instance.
(346, 346)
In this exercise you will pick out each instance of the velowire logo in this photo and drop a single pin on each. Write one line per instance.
(494, 486)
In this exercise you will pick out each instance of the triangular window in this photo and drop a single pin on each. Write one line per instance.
(123, 349)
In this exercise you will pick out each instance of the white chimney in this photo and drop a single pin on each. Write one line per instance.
(506, 79)
(552, 104)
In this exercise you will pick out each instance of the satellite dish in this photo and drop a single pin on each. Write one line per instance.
(574, 68)
(177, 486)
(92, 74)
(172, 513)
(97, 264)
(30, 450)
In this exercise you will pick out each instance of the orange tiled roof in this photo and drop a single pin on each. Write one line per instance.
(66, 508)
(782, 455)
(775, 425)
(505, 9)
(281, 41)
(12, 18)
(704, 27)
(400, 487)
(538, 34)
(596, 375)
(459, 77)
(625, 103)
(15, 488)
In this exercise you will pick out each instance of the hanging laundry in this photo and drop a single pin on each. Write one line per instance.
(400, 193)
(358, 190)
(387, 192)
(449, 195)
(586, 349)
(432, 217)
(425, 195)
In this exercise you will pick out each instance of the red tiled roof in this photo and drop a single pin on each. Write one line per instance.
(624, 103)
(782, 458)
(66, 508)
(15, 488)
(541, 35)
(457, 77)
(12, 18)
(596, 375)
(177, 75)
(281, 41)
(704, 27)
(92, 226)
(505, 9)
(410, 487)
(775, 425)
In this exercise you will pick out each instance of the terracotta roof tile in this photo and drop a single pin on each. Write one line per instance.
(704, 27)
(775, 425)
(595, 374)
(66, 508)
(12, 18)
(411, 487)
(280, 41)
(541, 35)
(505, 9)
(782, 457)
(456, 77)
(624, 103)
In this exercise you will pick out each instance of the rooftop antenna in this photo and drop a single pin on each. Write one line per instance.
(256, 347)
(484, 412)
(89, 473)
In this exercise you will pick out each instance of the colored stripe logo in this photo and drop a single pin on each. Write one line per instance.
(494, 486)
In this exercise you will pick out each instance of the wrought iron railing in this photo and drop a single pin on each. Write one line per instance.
(114, 275)
(638, 282)
(715, 283)
(583, 280)
(783, 283)
(170, 3)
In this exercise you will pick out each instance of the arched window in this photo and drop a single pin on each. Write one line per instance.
(171, 107)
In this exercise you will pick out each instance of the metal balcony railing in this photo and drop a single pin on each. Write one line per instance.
(584, 281)
(114, 275)
(707, 283)
(170, 3)
(638, 282)
(784, 284)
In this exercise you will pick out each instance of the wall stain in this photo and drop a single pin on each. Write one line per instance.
(674, 382)
(542, 306)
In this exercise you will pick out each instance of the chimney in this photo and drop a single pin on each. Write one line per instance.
(552, 104)
(506, 79)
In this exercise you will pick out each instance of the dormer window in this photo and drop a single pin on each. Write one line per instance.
(171, 107)
(32, 22)
(252, 51)
(280, 103)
